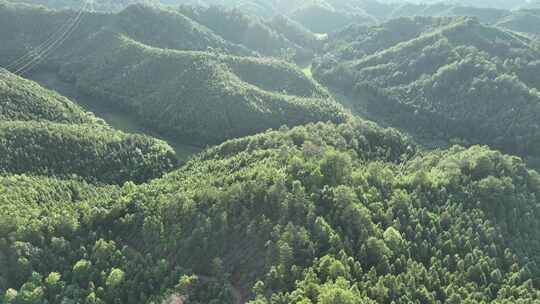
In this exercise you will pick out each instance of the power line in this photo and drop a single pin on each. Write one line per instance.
(52, 47)
(36, 56)
(38, 48)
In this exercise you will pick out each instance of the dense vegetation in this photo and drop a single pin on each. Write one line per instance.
(249, 31)
(316, 214)
(204, 97)
(323, 19)
(295, 32)
(525, 21)
(95, 5)
(24, 100)
(457, 80)
(324, 208)
(484, 15)
(171, 29)
(357, 41)
(90, 151)
(43, 133)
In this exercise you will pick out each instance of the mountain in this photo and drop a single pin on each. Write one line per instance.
(92, 152)
(172, 29)
(324, 19)
(24, 100)
(357, 41)
(319, 213)
(274, 192)
(484, 14)
(524, 21)
(44, 133)
(498, 4)
(462, 80)
(203, 97)
(24, 30)
(295, 32)
(250, 31)
(204, 93)
(94, 5)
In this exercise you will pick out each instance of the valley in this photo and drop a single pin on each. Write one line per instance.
(115, 117)
(269, 152)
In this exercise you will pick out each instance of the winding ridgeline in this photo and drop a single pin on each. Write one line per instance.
(294, 199)
(451, 78)
(315, 214)
(176, 75)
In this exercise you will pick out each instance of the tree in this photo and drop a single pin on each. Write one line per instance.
(336, 168)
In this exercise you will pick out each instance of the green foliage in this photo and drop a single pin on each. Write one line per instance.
(324, 18)
(525, 21)
(90, 151)
(456, 225)
(44, 133)
(171, 29)
(243, 29)
(24, 100)
(319, 213)
(203, 97)
(455, 79)
(294, 31)
(483, 14)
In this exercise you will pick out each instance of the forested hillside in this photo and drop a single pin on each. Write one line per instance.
(462, 80)
(250, 31)
(203, 97)
(499, 4)
(95, 5)
(44, 133)
(484, 14)
(24, 100)
(290, 197)
(525, 21)
(323, 19)
(316, 214)
(357, 41)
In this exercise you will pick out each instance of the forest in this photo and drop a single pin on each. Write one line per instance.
(452, 78)
(269, 152)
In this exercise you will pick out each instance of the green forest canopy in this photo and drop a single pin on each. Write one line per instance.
(44, 133)
(216, 97)
(330, 210)
(315, 214)
(457, 79)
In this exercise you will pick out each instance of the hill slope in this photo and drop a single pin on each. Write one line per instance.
(461, 80)
(24, 100)
(320, 18)
(441, 9)
(44, 133)
(246, 30)
(204, 97)
(525, 21)
(320, 214)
